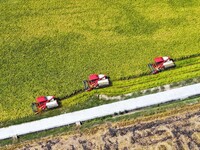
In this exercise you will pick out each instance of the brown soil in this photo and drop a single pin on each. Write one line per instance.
(178, 130)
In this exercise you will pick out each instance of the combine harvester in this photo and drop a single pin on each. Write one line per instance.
(43, 103)
(161, 63)
(96, 81)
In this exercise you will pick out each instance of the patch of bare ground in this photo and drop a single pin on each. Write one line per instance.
(172, 130)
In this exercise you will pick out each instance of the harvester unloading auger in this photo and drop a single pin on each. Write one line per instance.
(161, 63)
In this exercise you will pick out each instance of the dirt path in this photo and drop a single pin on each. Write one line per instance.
(180, 131)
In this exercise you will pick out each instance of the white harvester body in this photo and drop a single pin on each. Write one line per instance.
(103, 82)
(52, 104)
(169, 64)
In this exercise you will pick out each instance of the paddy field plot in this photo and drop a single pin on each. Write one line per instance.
(49, 47)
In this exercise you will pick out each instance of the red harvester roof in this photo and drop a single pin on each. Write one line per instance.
(41, 99)
(93, 77)
(158, 59)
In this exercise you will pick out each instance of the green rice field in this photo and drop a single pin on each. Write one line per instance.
(49, 47)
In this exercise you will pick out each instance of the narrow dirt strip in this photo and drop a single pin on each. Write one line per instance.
(100, 111)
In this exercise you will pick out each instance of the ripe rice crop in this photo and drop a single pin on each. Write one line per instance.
(48, 48)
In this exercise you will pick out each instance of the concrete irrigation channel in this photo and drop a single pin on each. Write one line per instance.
(100, 111)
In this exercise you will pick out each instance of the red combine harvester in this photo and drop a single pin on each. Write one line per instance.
(161, 63)
(96, 81)
(43, 103)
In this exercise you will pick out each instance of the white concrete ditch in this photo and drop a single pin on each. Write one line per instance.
(100, 111)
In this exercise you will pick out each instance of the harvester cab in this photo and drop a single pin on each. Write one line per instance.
(44, 102)
(96, 81)
(161, 63)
